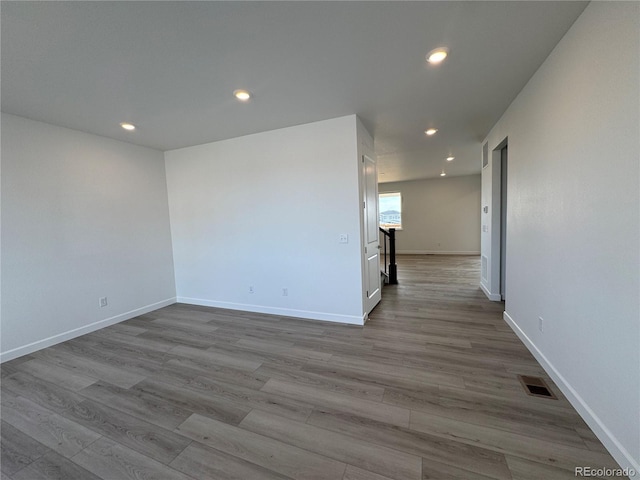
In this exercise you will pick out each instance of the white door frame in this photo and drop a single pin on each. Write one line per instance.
(371, 237)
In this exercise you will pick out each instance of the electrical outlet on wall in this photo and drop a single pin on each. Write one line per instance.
(541, 324)
(285, 292)
(102, 301)
(250, 288)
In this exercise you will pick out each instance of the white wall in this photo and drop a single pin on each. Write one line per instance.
(266, 211)
(573, 220)
(439, 215)
(83, 217)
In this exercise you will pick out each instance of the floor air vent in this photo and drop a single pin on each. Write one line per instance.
(536, 387)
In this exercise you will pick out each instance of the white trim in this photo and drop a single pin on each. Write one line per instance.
(617, 450)
(285, 312)
(76, 332)
(495, 297)
(435, 252)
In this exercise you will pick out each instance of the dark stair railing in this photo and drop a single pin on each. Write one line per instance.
(390, 236)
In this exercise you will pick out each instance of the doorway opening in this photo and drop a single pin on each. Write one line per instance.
(499, 221)
(503, 220)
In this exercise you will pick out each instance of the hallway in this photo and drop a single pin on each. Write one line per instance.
(448, 327)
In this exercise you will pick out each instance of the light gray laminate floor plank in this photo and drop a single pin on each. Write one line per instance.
(433, 470)
(211, 406)
(370, 377)
(429, 378)
(294, 352)
(185, 324)
(468, 457)
(413, 338)
(136, 355)
(182, 370)
(507, 442)
(521, 406)
(17, 449)
(124, 329)
(338, 346)
(276, 359)
(217, 358)
(316, 396)
(272, 454)
(203, 462)
(110, 461)
(368, 456)
(348, 387)
(160, 333)
(88, 366)
(63, 377)
(133, 360)
(249, 399)
(122, 340)
(53, 466)
(143, 437)
(355, 473)
(44, 393)
(431, 403)
(150, 408)
(590, 439)
(47, 427)
(522, 469)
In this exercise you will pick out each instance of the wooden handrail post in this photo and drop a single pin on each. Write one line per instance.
(393, 268)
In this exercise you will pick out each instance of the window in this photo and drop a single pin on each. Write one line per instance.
(390, 208)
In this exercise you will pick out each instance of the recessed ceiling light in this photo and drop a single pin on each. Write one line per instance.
(128, 126)
(450, 158)
(242, 95)
(443, 174)
(431, 131)
(437, 55)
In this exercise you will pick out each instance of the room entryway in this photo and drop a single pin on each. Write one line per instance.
(503, 220)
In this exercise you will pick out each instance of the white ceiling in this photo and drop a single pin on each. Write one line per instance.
(171, 67)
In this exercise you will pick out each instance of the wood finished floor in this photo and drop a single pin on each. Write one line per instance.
(426, 390)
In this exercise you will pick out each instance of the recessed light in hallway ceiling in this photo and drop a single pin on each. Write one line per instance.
(431, 131)
(437, 55)
(128, 126)
(242, 95)
(450, 158)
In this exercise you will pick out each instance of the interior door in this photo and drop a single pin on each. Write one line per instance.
(371, 236)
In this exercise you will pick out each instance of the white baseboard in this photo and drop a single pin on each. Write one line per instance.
(608, 439)
(76, 332)
(285, 312)
(494, 297)
(435, 252)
